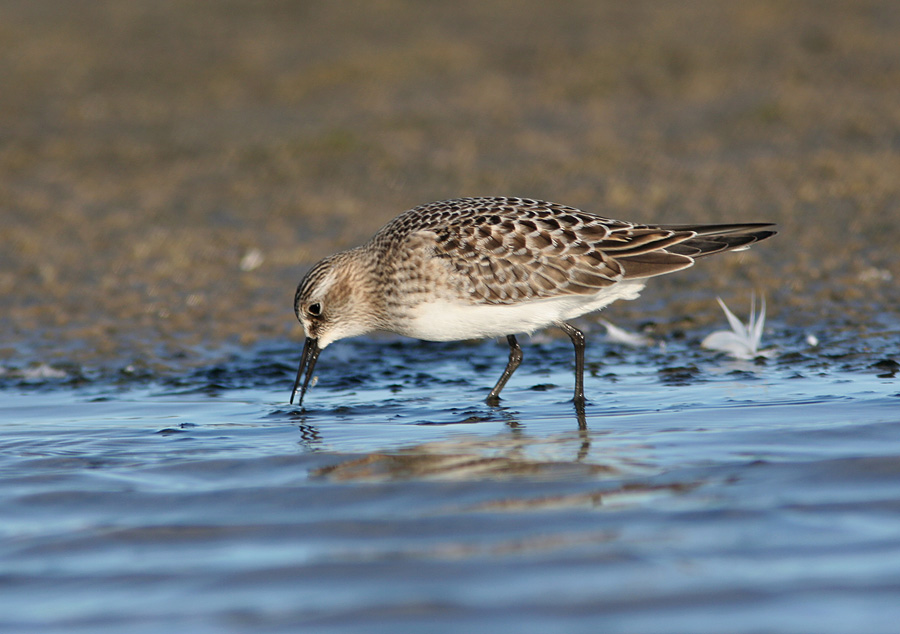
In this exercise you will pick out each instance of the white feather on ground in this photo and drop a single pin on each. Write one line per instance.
(615, 334)
(742, 341)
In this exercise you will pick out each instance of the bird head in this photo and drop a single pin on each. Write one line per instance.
(333, 301)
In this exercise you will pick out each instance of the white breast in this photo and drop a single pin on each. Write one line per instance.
(453, 321)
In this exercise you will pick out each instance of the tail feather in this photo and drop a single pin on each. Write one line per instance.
(697, 241)
(718, 230)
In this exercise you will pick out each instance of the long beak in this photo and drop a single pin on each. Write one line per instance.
(310, 354)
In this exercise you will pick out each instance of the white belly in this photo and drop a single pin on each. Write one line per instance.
(453, 321)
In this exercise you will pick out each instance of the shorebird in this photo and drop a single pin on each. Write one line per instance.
(471, 268)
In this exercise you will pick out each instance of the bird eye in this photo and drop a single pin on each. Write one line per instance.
(315, 309)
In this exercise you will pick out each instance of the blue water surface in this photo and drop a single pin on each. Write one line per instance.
(703, 495)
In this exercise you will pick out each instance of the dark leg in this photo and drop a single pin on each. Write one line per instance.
(582, 424)
(577, 338)
(515, 358)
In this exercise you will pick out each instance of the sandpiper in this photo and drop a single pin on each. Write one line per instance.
(470, 268)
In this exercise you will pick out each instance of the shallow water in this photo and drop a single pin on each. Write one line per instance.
(705, 494)
(169, 170)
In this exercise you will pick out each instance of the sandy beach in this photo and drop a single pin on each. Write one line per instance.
(169, 170)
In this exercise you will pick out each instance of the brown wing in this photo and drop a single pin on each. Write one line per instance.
(505, 250)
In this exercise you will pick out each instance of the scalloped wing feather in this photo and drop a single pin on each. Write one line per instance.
(507, 250)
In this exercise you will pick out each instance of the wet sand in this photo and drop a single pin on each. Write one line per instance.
(168, 170)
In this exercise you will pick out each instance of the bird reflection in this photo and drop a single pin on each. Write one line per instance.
(309, 433)
(501, 456)
(509, 454)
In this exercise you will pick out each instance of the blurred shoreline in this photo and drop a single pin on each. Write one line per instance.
(169, 170)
